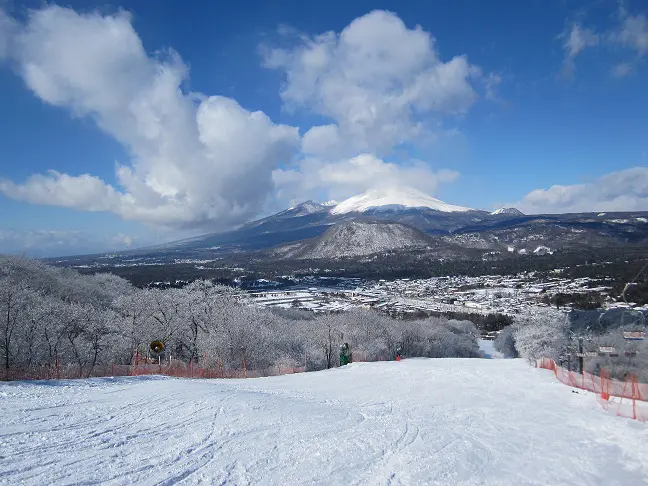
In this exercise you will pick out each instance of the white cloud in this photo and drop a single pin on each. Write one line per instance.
(84, 192)
(625, 190)
(622, 70)
(491, 83)
(205, 162)
(123, 240)
(380, 83)
(629, 32)
(632, 32)
(197, 161)
(7, 27)
(341, 179)
(382, 87)
(576, 39)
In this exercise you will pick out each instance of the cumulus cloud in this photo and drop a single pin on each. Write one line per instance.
(382, 88)
(346, 177)
(205, 162)
(380, 84)
(197, 161)
(625, 190)
(56, 189)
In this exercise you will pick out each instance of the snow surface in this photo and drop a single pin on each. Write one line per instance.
(418, 421)
(387, 199)
(487, 347)
(302, 209)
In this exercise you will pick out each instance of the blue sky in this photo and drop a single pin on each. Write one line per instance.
(167, 119)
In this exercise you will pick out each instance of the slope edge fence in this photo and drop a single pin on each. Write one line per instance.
(627, 398)
(173, 368)
(143, 365)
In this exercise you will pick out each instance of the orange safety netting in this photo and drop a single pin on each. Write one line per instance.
(174, 368)
(627, 398)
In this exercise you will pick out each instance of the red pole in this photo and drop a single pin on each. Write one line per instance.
(244, 368)
(191, 366)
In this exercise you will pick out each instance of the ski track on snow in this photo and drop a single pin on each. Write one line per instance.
(420, 421)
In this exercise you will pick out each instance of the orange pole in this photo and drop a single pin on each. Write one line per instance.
(639, 397)
(634, 401)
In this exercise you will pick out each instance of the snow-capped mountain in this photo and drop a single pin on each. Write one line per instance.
(356, 238)
(508, 212)
(293, 231)
(394, 199)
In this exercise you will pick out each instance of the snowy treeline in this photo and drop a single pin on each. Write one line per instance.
(549, 334)
(51, 315)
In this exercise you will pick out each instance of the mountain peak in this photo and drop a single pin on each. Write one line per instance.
(508, 211)
(307, 207)
(392, 198)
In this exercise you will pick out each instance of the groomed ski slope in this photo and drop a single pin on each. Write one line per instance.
(420, 421)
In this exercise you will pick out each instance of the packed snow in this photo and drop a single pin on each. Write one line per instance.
(418, 421)
(394, 199)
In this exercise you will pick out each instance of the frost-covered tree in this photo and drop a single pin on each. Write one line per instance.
(16, 293)
(505, 342)
(541, 335)
(134, 312)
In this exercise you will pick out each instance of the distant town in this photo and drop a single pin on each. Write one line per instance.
(490, 294)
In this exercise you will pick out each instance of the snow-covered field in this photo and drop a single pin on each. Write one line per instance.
(419, 421)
